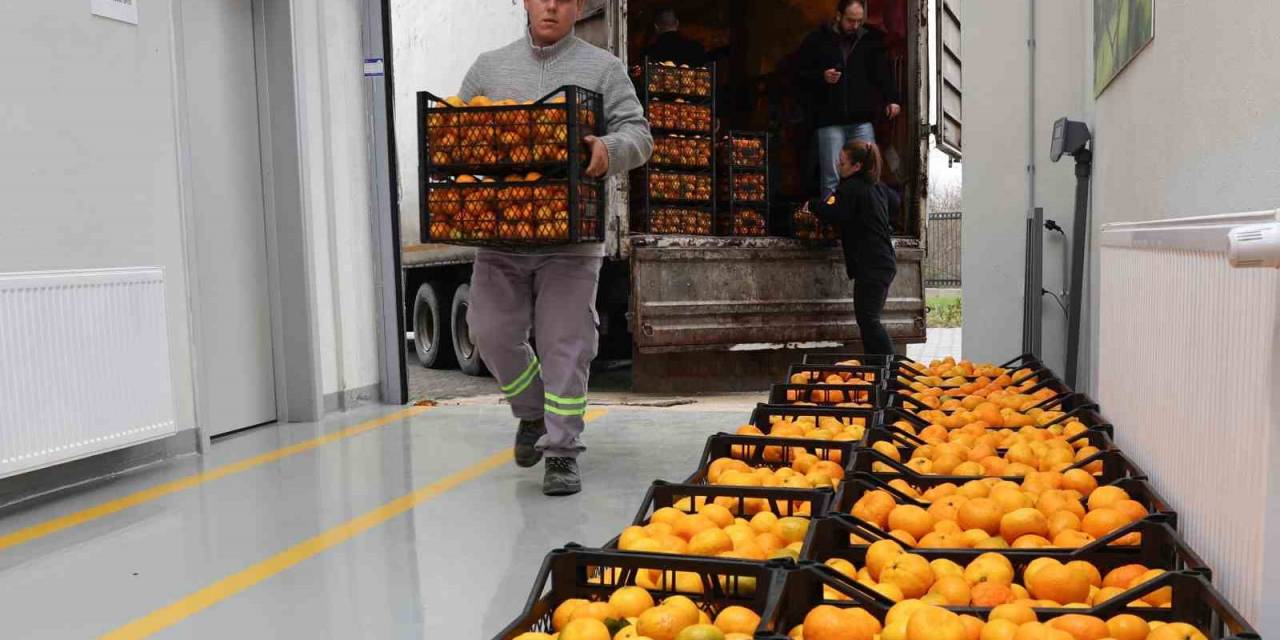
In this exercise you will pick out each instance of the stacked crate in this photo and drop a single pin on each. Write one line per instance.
(505, 174)
(675, 192)
(744, 186)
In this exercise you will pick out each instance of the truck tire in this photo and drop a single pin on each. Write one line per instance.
(431, 327)
(464, 350)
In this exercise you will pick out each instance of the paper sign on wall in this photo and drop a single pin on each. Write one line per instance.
(122, 10)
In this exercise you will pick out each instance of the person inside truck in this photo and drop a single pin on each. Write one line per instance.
(550, 291)
(859, 209)
(670, 46)
(844, 69)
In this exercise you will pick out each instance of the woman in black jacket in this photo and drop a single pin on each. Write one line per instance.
(859, 209)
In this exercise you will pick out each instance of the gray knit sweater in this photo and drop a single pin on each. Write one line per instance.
(523, 71)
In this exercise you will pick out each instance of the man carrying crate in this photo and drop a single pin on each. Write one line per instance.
(550, 290)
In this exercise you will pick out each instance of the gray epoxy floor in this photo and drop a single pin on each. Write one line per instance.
(459, 565)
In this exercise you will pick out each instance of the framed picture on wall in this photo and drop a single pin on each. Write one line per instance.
(1121, 30)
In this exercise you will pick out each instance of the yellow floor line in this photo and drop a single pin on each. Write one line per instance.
(165, 617)
(61, 523)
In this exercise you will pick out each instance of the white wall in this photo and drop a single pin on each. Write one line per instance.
(88, 158)
(335, 126)
(1190, 127)
(995, 187)
(433, 45)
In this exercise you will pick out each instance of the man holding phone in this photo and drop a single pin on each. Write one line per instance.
(845, 68)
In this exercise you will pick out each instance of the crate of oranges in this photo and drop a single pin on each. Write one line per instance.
(666, 78)
(806, 226)
(585, 594)
(672, 219)
(502, 173)
(749, 523)
(822, 602)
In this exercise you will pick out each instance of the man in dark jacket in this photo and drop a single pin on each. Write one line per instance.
(670, 46)
(845, 69)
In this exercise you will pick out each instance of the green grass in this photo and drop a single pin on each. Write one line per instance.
(945, 311)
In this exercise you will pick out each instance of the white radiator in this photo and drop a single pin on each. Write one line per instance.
(84, 365)
(1189, 372)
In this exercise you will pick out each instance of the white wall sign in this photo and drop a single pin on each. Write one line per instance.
(122, 10)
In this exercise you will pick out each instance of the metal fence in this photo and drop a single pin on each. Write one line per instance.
(942, 262)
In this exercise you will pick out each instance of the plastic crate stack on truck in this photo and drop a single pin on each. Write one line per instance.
(880, 498)
(671, 292)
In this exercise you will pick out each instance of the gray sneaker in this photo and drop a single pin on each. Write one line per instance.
(527, 436)
(562, 477)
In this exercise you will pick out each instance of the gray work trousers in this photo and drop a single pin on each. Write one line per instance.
(554, 297)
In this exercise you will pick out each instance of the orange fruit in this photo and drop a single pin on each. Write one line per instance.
(792, 529)
(1099, 522)
(630, 602)
(990, 594)
(1072, 539)
(880, 554)
(1061, 521)
(1053, 501)
(1032, 631)
(719, 515)
(999, 630)
(989, 567)
(560, 617)
(1079, 479)
(1059, 583)
(764, 522)
(980, 513)
(1016, 613)
(702, 631)
(1106, 496)
(737, 620)
(1106, 593)
(1023, 522)
(825, 622)
(668, 516)
(710, 542)
(690, 526)
(909, 572)
(1081, 627)
(912, 519)
(1127, 626)
(1176, 631)
(660, 623)
(954, 588)
(595, 611)
(1090, 571)
(585, 629)
(1122, 577)
(947, 508)
(874, 507)
(1159, 597)
(1132, 509)
(1032, 542)
(933, 623)
(973, 627)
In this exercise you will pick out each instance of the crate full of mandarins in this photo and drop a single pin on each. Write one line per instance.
(508, 174)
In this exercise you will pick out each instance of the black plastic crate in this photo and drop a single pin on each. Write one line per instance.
(866, 359)
(694, 220)
(1088, 416)
(1161, 547)
(1195, 602)
(510, 174)
(743, 220)
(826, 394)
(762, 417)
(818, 374)
(741, 501)
(905, 365)
(905, 443)
(664, 79)
(1115, 466)
(1065, 402)
(857, 484)
(667, 117)
(805, 225)
(576, 572)
(546, 212)
(767, 451)
(682, 153)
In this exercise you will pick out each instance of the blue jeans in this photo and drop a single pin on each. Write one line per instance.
(830, 141)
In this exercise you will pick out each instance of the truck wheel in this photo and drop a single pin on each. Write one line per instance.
(431, 328)
(463, 348)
